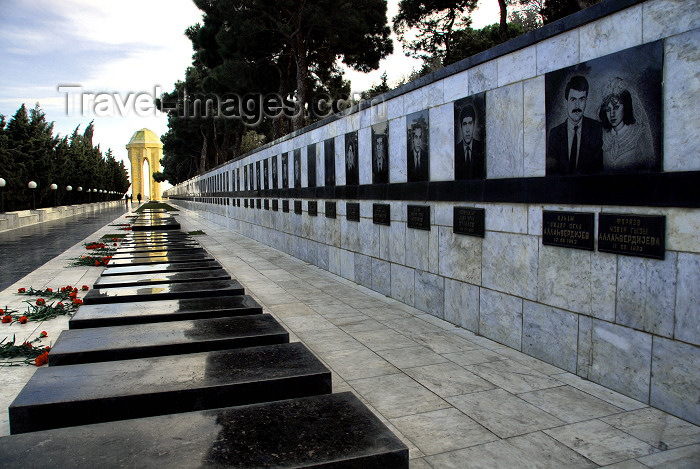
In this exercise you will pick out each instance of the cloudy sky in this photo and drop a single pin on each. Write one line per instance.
(127, 48)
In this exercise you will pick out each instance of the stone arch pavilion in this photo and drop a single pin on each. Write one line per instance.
(145, 146)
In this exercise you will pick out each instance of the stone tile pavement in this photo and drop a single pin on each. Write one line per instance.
(457, 400)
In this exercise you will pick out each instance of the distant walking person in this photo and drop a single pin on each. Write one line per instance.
(126, 200)
(138, 197)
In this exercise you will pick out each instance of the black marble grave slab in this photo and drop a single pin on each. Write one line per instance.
(329, 431)
(173, 258)
(381, 214)
(155, 226)
(297, 207)
(164, 291)
(418, 217)
(155, 253)
(113, 281)
(155, 235)
(205, 264)
(469, 221)
(568, 229)
(143, 312)
(632, 235)
(285, 206)
(150, 247)
(100, 344)
(331, 209)
(312, 208)
(352, 211)
(65, 396)
(275, 205)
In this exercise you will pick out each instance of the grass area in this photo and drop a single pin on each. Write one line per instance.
(156, 205)
(196, 232)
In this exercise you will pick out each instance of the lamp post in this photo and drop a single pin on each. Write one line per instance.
(32, 186)
(2, 195)
(68, 190)
(80, 196)
(54, 188)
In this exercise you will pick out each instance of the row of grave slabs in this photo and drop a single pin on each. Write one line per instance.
(170, 364)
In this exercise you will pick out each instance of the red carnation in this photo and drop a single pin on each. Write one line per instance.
(21, 290)
(23, 320)
(42, 359)
(7, 318)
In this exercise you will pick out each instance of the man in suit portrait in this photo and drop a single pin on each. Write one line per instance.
(380, 168)
(285, 171)
(576, 145)
(274, 172)
(469, 152)
(352, 171)
(417, 164)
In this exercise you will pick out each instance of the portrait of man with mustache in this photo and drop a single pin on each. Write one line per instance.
(576, 145)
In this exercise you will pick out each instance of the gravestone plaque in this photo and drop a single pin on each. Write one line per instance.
(568, 229)
(258, 204)
(245, 203)
(352, 210)
(275, 205)
(313, 208)
(632, 235)
(297, 207)
(267, 204)
(238, 202)
(285, 206)
(380, 214)
(330, 210)
(468, 221)
(418, 217)
(252, 203)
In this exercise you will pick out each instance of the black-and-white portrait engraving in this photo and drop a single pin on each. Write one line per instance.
(238, 179)
(297, 167)
(380, 153)
(274, 172)
(352, 170)
(266, 174)
(311, 165)
(605, 115)
(257, 176)
(417, 147)
(285, 170)
(245, 178)
(329, 160)
(470, 137)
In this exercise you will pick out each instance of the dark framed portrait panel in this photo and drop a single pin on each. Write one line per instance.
(380, 153)
(311, 165)
(417, 146)
(266, 174)
(606, 115)
(352, 170)
(297, 167)
(329, 160)
(470, 137)
(285, 170)
(245, 178)
(258, 186)
(274, 172)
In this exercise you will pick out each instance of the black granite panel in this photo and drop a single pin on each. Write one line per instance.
(155, 226)
(101, 344)
(329, 431)
(331, 209)
(468, 221)
(164, 291)
(297, 207)
(172, 258)
(381, 214)
(568, 229)
(266, 205)
(418, 217)
(313, 208)
(632, 235)
(285, 206)
(113, 281)
(156, 253)
(65, 396)
(149, 247)
(275, 205)
(352, 211)
(258, 203)
(143, 312)
(207, 264)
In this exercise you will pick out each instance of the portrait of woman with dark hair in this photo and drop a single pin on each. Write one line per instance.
(627, 142)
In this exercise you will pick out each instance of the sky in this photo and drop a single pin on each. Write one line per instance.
(53, 52)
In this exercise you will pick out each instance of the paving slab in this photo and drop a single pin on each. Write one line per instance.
(65, 396)
(162, 252)
(114, 281)
(204, 264)
(169, 259)
(164, 291)
(330, 431)
(143, 312)
(100, 344)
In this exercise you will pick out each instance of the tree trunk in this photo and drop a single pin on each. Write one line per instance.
(302, 72)
(503, 28)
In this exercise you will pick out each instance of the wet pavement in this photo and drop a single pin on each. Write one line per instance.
(25, 249)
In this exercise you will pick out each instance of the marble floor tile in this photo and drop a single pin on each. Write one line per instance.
(531, 362)
(655, 427)
(359, 324)
(569, 404)
(383, 339)
(439, 342)
(410, 357)
(442, 430)
(284, 310)
(397, 395)
(308, 323)
(687, 457)
(513, 376)
(608, 395)
(535, 450)
(504, 414)
(329, 340)
(418, 463)
(358, 363)
(448, 379)
(474, 357)
(600, 442)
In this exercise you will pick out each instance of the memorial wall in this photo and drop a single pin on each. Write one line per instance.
(544, 194)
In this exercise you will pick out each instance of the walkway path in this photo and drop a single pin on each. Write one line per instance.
(25, 249)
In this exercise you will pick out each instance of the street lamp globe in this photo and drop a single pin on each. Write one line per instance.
(2, 182)
(69, 188)
(53, 187)
(31, 185)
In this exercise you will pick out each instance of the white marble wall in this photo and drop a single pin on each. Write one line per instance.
(628, 323)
